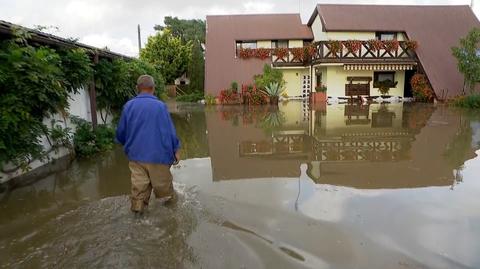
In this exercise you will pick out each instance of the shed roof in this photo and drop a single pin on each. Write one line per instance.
(436, 28)
(52, 40)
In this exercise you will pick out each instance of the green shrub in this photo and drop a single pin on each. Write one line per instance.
(210, 100)
(234, 86)
(88, 141)
(273, 89)
(470, 101)
(270, 75)
(191, 97)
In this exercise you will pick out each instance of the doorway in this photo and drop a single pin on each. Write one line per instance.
(407, 92)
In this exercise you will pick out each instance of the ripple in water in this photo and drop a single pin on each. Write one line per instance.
(105, 233)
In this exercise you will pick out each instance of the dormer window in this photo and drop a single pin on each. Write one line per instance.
(386, 35)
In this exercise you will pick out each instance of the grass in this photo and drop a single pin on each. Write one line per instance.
(469, 101)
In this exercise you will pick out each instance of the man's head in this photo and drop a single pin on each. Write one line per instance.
(145, 84)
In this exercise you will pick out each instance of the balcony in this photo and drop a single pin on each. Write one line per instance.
(352, 51)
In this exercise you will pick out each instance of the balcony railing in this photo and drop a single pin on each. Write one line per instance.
(346, 52)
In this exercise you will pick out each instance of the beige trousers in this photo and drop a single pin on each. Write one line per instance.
(148, 176)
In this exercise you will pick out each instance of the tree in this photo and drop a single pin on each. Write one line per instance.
(189, 31)
(186, 30)
(196, 69)
(468, 58)
(168, 54)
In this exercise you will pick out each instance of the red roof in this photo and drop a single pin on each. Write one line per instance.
(261, 26)
(436, 28)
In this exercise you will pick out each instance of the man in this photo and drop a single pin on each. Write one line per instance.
(149, 138)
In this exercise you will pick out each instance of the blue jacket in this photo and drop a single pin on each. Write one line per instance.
(146, 131)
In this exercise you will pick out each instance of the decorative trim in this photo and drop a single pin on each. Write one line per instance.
(379, 67)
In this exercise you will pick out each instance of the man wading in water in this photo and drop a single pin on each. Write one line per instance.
(150, 141)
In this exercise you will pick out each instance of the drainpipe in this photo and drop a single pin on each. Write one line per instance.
(93, 95)
(311, 79)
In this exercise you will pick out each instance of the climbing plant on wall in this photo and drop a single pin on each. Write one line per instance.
(34, 83)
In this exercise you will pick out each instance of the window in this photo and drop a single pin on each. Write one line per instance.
(279, 44)
(386, 35)
(383, 76)
(244, 45)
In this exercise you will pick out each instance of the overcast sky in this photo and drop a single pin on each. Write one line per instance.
(113, 23)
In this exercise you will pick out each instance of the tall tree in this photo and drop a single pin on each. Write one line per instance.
(196, 69)
(168, 54)
(468, 57)
(187, 30)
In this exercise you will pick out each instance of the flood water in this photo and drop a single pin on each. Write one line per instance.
(337, 186)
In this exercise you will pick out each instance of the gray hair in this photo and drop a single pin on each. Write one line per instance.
(145, 82)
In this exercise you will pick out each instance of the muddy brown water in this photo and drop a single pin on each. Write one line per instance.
(338, 186)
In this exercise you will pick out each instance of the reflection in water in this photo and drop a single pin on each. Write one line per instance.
(362, 146)
(374, 191)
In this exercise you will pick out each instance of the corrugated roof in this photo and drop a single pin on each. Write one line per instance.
(436, 28)
(52, 40)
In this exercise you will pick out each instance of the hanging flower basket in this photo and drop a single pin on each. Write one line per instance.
(335, 47)
(246, 53)
(262, 53)
(298, 54)
(353, 46)
(375, 44)
(391, 45)
(281, 53)
(411, 45)
(310, 51)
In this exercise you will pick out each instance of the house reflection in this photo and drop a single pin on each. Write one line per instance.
(362, 146)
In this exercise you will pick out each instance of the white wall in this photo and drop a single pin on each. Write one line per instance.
(317, 29)
(295, 43)
(294, 79)
(320, 35)
(264, 44)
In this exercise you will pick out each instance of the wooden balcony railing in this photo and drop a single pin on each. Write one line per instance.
(347, 51)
